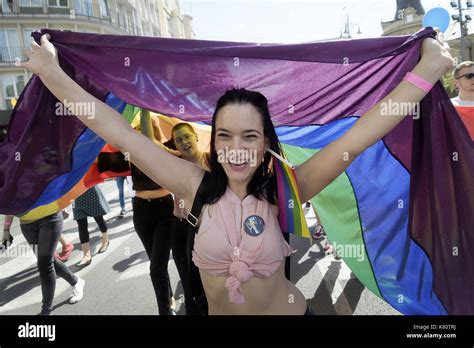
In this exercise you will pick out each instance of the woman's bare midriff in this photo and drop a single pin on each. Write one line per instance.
(274, 295)
(152, 194)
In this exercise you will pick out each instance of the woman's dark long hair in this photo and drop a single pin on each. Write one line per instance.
(263, 184)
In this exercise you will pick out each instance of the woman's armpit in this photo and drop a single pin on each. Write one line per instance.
(196, 179)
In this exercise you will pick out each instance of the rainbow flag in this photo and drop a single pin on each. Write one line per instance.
(396, 212)
(290, 211)
(86, 172)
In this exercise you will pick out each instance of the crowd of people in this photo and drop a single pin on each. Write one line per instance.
(158, 218)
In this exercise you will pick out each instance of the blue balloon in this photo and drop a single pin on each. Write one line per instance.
(437, 17)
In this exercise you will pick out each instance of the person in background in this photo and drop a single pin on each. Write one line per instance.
(7, 223)
(120, 180)
(464, 103)
(43, 235)
(67, 248)
(185, 141)
(153, 220)
(92, 203)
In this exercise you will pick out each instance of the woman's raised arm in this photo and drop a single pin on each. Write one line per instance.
(326, 165)
(174, 174)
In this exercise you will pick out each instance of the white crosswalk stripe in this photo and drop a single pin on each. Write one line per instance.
(19, 256)
(135, 270)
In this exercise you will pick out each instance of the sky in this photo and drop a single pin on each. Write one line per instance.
(290, 21)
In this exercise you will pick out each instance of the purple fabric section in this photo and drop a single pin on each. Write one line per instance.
(305, 84)
(39, 143)
(442, 199)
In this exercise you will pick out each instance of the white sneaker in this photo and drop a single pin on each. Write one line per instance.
(77, 291)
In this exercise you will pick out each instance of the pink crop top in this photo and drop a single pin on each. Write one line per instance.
(239, 240)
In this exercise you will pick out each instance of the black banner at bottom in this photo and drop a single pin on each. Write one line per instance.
(136, 330)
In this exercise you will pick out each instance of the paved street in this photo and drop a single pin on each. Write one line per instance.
(117, 282)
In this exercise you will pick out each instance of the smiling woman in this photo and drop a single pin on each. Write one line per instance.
(239, 248)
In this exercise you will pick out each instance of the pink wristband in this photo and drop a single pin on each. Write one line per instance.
(418, 82)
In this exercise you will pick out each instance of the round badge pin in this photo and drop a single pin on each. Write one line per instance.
(254, 225)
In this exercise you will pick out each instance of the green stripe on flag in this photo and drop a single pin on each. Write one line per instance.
(130, 112)
(337, 208)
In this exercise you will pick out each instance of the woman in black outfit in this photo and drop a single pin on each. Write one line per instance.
(185, 140)
(153, 220)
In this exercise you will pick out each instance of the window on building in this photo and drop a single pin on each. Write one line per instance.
(83, 7)
(9, 45)
(104, 9)
(57, 3)
(12, 86)
(134, 23)
(6, 7)
(128, 21)
(27, 39)
(118, 9)
(158, 19)
(31, 3)
(169, 25)
(138, 9)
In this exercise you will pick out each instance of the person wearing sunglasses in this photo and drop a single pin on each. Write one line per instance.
(464, 102)
(464, 79)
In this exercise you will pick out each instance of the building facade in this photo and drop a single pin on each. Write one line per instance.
(18, 18)
(453, 37)
(408, 20)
